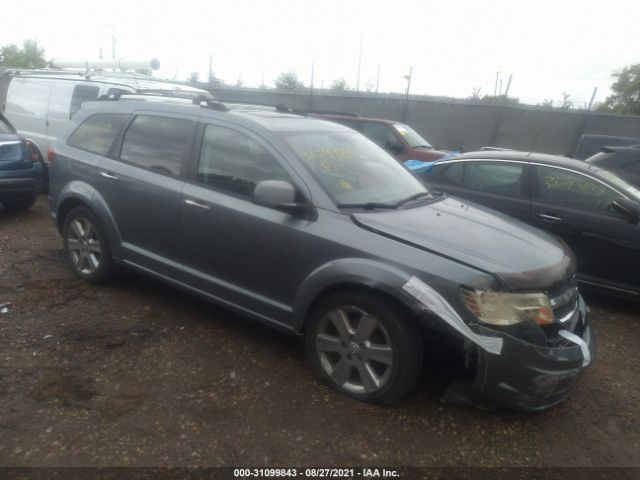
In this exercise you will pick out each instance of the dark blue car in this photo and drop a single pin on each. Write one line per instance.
(22, 170)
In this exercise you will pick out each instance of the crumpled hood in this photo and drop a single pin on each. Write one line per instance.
(520, 256)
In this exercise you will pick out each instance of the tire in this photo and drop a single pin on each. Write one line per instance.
(373, 363)
(18, 203)
(86, 246)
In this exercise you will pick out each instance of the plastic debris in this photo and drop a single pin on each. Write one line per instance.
(4, 307)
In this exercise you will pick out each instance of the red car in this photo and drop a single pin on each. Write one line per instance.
(397, 138)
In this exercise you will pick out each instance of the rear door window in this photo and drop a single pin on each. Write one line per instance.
(500, 178)
(563, 187)
(81, 94)
(453, 173)
(157, 143)
(234, 162)
(97, 133)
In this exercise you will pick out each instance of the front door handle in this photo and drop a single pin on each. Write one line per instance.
(110, 176)
(194, 204)
(549, 218)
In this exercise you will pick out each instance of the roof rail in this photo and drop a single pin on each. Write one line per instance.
(330, 112)
(281, 107)
(211, 103)
(494, 149)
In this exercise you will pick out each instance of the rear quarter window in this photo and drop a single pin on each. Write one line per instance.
(97, 133)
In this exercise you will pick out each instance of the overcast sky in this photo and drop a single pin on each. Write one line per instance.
(453, 46)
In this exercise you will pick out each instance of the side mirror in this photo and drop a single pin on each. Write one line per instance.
(627, 208)
(277, 194)
(394, 147)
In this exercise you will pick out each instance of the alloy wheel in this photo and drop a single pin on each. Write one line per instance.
(354, 350)
(83, 245)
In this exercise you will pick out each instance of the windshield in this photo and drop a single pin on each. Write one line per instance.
(354, 170)
(411, 136)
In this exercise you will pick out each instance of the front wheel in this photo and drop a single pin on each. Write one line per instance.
(87, 246)
(364, 347)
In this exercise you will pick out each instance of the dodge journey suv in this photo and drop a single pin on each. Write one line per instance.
(308, 226)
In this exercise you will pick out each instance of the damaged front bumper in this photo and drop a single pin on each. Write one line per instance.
(527, 376)
(524, 370)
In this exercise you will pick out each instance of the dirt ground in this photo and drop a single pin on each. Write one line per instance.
(136, 373)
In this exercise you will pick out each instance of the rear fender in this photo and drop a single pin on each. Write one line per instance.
(89, 196)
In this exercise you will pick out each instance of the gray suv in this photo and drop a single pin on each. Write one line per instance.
(309, 227)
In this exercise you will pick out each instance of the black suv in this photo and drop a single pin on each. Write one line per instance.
(594, 211)
(309, 227)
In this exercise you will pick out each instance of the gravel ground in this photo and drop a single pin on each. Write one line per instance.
(136, 373)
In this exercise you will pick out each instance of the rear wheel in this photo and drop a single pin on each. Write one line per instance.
(18, 203)
(364, 347)
(87, 246)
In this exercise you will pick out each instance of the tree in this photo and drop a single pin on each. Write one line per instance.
(288, 81)
(500, 99)
(29, 56)
(193, 77)
(339, 85)
(565, 103)
(626, 92)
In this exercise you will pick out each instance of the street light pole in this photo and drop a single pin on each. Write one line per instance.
(495, 88)
(378, 79)
(359, 65)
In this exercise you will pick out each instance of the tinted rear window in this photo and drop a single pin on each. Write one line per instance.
(158, 143)
(97, 133)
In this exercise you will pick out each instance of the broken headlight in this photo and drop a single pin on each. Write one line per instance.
(503, 308)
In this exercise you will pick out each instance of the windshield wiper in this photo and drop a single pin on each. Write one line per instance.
(415, 196)
(368, 205)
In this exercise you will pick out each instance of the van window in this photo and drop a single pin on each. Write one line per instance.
(234, 162)
(97, 133)
(158, 143)
(82, 93)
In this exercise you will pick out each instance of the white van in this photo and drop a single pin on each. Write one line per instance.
(40, 103)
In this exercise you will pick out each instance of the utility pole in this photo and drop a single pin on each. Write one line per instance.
(312, 71)
(405, 110)
(495, 87)
(378, 79)
(593, 96)
(500, 91)
(113, 42)
(359, 65)
(506, 92)
(210, 69)
(262, 71)
(408, 77)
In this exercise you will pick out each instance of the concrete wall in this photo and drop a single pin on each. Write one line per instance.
(455, 125)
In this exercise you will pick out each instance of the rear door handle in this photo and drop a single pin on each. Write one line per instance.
(110, 176)
(194, 204)
(549, 218)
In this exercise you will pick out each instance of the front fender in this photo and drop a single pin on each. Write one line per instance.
(78, 191)
(351, 271)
